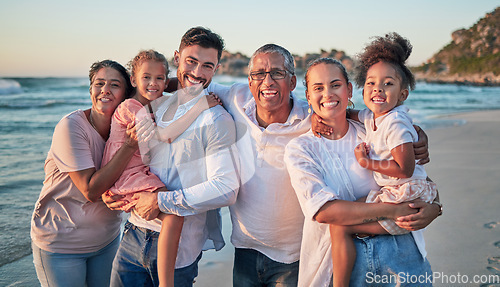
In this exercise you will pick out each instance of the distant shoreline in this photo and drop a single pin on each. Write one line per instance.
(458, 83)
(482, 80)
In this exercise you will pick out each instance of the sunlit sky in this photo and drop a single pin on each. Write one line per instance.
(64, 37)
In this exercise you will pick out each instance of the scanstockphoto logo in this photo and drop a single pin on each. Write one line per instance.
(458, 279)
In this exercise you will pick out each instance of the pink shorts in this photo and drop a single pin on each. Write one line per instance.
(418, 188)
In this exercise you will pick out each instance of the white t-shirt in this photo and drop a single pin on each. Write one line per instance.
(393, 129)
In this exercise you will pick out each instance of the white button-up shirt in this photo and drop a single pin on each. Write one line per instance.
(266, 216)
(199, 170)
(323, 170)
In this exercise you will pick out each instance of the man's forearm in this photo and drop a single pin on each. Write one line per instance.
(200, 198)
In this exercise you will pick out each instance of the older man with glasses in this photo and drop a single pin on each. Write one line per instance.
(267, 219)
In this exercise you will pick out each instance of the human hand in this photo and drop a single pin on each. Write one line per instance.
(421, 148)
(146, 129)
(132, 139)
(113, 202)
(146, 205)
(213, 100)
(427, 212)
(361, 151)
(401, 210)
(145, 125)
(318, 127)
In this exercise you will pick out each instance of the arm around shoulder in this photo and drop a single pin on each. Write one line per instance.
(93, 183)
(75, 153)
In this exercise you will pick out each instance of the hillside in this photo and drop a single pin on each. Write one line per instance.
(236, 64)
(472, 57)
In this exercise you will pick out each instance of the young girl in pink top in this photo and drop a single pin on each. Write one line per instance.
(149, 75)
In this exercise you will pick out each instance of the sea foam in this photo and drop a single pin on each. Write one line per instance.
(8, 86)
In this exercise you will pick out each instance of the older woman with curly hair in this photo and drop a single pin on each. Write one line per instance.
(74, 234)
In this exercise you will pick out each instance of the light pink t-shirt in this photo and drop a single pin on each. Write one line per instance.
(64, 221)
(136, 176)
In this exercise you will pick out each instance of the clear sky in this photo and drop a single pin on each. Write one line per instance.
(64, 37)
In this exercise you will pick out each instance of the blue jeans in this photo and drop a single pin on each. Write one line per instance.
(252, 268)
(135, 261)
(84, 269)
(382, 259)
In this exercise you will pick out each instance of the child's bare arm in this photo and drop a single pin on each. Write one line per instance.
(176, 128)
(402, 166)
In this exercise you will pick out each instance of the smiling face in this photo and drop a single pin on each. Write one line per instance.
(382, 90)
(271, 95)
(107, 91)
(196, 66)
(150, 81)
(328, 92)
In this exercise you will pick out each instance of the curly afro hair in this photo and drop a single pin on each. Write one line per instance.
(393, 49)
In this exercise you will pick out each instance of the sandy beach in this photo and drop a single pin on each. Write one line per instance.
(463, 244)
(465, 164)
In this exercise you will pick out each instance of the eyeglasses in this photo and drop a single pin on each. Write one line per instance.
(275, 75)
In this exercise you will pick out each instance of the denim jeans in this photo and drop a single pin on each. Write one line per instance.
(135, 261)
(382, 260)
(252, 268)
(84, 269)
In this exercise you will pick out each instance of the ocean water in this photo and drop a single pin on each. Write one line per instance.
(31, 107)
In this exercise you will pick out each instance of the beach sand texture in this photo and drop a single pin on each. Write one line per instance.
(465, 164)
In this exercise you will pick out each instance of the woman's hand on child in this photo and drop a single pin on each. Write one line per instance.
(146, 129)
(402, 210)
(113, 202)
(318, 127)
(132, 137)
(425, 215)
